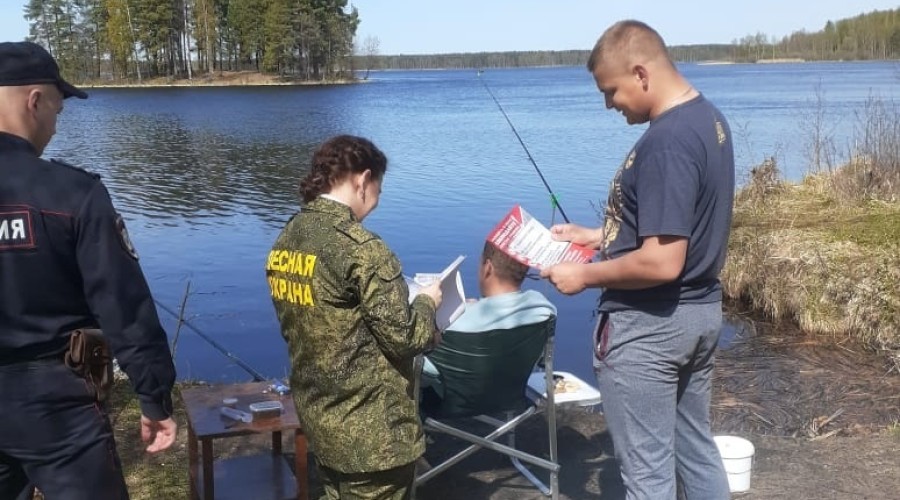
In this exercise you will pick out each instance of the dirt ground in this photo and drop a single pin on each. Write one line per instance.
(839, 468)
(824, 419)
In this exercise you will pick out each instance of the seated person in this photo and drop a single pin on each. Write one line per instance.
(504, 304)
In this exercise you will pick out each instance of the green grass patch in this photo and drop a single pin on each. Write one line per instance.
(164, 475)
(879, 226)
(893, 430)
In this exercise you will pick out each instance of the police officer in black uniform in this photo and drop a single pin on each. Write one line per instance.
(66, 262)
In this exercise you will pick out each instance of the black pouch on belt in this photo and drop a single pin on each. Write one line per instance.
(89, 357)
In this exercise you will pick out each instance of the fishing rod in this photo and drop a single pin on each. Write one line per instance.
(257, 377)
(553, 199)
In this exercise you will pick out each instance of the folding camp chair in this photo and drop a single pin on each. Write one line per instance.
(485, 375)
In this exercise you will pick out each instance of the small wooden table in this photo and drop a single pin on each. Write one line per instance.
(266, 476)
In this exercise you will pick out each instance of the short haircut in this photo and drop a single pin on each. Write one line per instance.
(506, 268)
(629, 41)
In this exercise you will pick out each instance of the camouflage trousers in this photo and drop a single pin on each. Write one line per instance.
(391, 484)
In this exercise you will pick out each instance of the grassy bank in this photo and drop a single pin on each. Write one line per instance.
(824, 252)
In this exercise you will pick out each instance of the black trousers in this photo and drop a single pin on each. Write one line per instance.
(53, 435)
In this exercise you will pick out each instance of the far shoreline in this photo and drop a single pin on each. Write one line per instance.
(218, 79)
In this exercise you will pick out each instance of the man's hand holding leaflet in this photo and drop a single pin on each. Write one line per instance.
(526, 240)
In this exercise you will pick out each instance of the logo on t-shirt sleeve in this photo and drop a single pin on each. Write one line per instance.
(16, 230)
(720, 133)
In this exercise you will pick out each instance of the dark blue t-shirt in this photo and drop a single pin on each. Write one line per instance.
(677, 181)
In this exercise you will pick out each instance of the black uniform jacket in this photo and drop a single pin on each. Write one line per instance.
(66, 262)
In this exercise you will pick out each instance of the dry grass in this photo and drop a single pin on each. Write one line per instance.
(827, 259)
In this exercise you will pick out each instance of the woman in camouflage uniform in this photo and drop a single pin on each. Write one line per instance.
(352, 333)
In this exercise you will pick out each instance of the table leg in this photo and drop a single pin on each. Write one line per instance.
(208, 483)
(192, 462)
(276, 443)
(301, 470)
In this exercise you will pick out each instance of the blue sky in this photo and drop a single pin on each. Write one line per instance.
(440, 26)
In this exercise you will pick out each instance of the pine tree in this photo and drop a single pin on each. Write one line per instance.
(52, 23)
(121, 39)
(279, 43)
(92, 40)
(205, 24)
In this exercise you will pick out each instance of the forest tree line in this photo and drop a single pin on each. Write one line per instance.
(875, 35)
(136, 39)
(472, 60)
(872, 36)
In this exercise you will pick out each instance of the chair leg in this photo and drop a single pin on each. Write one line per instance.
(501, 428)
(550, 403)
(511, 442)
(482, 442)
(540, 462)
(554, 454)
(530, 476)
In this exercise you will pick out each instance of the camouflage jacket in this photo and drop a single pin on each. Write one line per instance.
(344, 311)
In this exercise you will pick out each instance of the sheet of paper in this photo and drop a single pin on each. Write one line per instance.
(453, 302)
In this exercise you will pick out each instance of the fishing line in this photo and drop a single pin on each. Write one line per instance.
(257, 377)
(553, 199)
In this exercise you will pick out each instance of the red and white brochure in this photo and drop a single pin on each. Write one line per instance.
(525, 239)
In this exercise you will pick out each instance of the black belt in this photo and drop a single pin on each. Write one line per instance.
(22, 359)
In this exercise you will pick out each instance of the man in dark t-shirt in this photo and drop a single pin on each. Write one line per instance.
(663, 244)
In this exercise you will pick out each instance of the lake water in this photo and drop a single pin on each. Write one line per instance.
(207, 177)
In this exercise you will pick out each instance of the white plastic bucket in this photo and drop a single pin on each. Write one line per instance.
(737, 455)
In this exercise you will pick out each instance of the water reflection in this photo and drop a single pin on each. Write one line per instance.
(164, 170)
(735, 331)
(197, 154)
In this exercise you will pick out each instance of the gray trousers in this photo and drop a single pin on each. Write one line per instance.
(654, 370)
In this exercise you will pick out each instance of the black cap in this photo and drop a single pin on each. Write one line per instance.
(27, 63)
